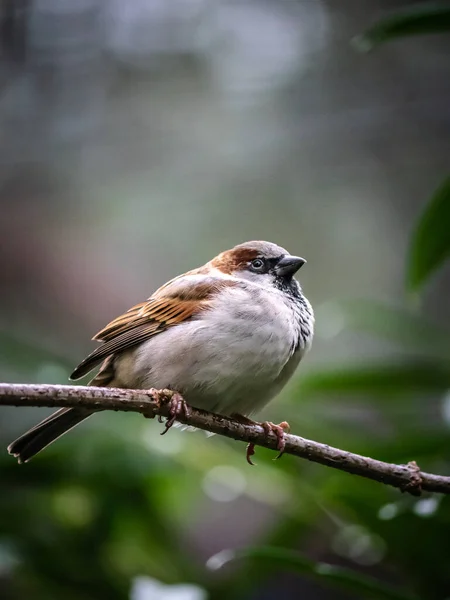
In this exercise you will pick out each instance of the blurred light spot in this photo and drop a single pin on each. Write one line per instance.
(8, 560)
(446, 408)
(74, 506)
(217, 561)
(277, 494)
(257, 47)
(140, 30)
(362, 43)
(51, 373)
(147, 588)
(169, 444)
(426, 507)
(324, 569)
(224, 483)
(330, 321)
(360, 545)
(388, 512)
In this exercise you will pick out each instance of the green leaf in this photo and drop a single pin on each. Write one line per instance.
(271, 556)
(420, 19)
(411, 330)
(430, 245)
(386, 378)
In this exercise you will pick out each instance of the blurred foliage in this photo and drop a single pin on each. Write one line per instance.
(113, 501)
(271, 558)
(420, 19)
(430, 245)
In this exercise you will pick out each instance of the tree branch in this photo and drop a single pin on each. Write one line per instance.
(151, 403)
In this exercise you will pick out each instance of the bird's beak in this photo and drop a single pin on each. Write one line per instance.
(289, 265)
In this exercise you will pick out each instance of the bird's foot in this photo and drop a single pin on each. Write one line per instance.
(279, 431)
(249, 453)
(177, 407)
(175, 402)
(251, 446)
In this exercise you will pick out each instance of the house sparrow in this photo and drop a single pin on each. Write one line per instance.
(226, 336)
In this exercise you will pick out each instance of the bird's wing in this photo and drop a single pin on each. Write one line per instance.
(181, 299)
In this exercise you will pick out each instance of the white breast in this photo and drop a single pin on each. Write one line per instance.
(233, 359)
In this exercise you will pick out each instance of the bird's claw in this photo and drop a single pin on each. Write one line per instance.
(177, 406)
(279, 431)
(250, 452)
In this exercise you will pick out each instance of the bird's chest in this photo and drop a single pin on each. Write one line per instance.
(251, 357)
(249, 343)
(234, 358)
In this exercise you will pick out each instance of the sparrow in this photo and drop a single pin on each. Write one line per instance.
(226, 337)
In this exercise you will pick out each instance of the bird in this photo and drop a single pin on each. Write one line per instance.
(226, 337)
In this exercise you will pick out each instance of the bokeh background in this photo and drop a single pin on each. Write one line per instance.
(137, 140)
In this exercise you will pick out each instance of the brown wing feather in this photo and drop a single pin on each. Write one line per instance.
(121, 321)
(177, 301)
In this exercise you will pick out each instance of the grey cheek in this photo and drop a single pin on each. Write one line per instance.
(260, 279)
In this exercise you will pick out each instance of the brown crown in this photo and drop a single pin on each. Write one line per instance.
(233, 260)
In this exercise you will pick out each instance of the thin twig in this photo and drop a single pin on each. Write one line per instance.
(408, 477)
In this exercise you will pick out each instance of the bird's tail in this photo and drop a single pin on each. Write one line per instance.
(46, 432)
(53, 427)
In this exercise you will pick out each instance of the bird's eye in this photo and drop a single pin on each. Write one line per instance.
(258, 264)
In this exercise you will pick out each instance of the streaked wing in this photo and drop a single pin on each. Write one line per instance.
(179, 300)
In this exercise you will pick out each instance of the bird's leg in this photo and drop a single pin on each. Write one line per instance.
(250, 447)
(177, 406)
(279, 431)
(249, 453)
(269, 427)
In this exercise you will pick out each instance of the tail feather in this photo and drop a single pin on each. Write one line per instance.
(53, 427)
(46, 432)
